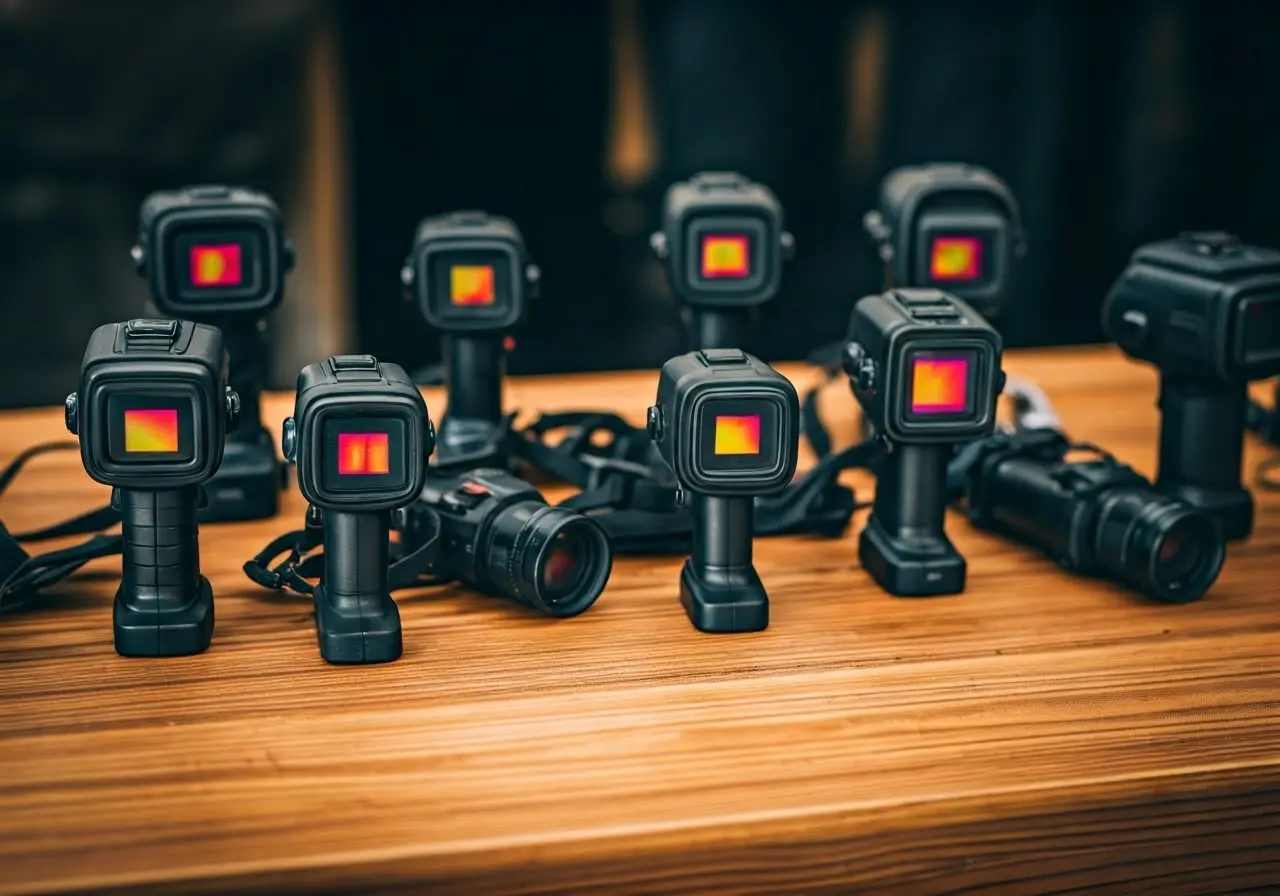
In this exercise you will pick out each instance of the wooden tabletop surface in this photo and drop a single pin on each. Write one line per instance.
(1039, 732)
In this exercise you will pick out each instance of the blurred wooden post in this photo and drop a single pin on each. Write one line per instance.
(316, 318)
(632, 149)
(865, 67)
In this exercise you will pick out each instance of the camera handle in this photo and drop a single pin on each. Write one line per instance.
(164, 606)
(719, 587)
(473, 424)
(1202, 428)
(719, 328)
(904, 545)
(356, 619)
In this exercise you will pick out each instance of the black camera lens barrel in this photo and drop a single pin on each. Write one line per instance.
(164, 606)
(522, 540)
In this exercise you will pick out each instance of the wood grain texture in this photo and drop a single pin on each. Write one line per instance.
(1038, 733)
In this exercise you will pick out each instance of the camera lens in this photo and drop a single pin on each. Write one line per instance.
(1159, 545)
(552, 559)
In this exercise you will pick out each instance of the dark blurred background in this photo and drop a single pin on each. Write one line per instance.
(1114, 123)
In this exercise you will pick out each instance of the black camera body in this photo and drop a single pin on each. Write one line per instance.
(470, 275)
(360, 436)
(724, 245)
(727, 425)
(218, 255)
(1205, 310)
(499, 536)
(1094, 516)
(948, 226)
(925, 367)
(152, 411)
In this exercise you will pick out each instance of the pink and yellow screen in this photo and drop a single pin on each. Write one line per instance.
(151, 431)
(363, 453)
(218, 265)
(738, 434)
(955, 258)
(471, 284)
(940, 386)
(725, 256)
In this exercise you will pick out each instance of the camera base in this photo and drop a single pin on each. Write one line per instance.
(1231, 509)
(920, 567)
(183, 631)
(358, 632)
(467, 444)
(724, 604)
(248, 483)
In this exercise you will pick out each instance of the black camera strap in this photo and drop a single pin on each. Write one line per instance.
(22, 575)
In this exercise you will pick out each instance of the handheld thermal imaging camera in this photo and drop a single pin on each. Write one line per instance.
(925, 367)
(152, 412)
(1093, 515)
(360, 437)
(1205, 310)
(218, 255)
(948, 226)
(728, 426)
(499, 536)
(471, 277)
(723, 244)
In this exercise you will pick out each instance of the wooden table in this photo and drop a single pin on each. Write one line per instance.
(1039, 732)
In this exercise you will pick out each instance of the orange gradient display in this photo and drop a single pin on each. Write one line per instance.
(151, 431)
(956, 258)
(364, 453)
(738, 434)
(725, 256)
(471, 284)
(216, 265)
(940, 386)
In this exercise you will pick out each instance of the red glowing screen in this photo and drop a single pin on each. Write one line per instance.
(218, 265)
(725, 256)
(471, 284)
(364, 453)
(940, 386)
(955, 258)
(151, 431)
(738, 434)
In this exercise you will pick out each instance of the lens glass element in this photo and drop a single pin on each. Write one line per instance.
(1183, 556)
(471, 284)
(941, 384)
(564, 566)
(737, 434)
(217, 265)
(150, 428)
(1258, 330)
(220, 263)
(365, 454)
(726, 256)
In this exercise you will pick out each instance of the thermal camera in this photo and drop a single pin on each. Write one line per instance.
(218, 255)
(948, 226)
(1093, 514)
(471, 277)
(728, 426)
(723, 244)
(152, 412)
(360, 437)
(1205, 310)
(499, 536)
(925, 368)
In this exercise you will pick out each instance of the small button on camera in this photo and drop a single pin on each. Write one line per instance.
(653, 423)
(289, 440)
(866, 377)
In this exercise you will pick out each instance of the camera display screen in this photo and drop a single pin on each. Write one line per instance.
(471, 284)
(725, 256)
(956, 259)
(941, 383)
(216, 265)
(1258, 330)
(739, 435)
(150, 428)
(219, 263)
(365, 454)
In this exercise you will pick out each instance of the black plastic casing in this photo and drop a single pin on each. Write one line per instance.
(167, 215)
(687, 382)
(462, 234)
(919, 201)
(191, 363)
(496, 531)
(349, 386)
(884, 332)
(1184, 306)
(713, 201)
